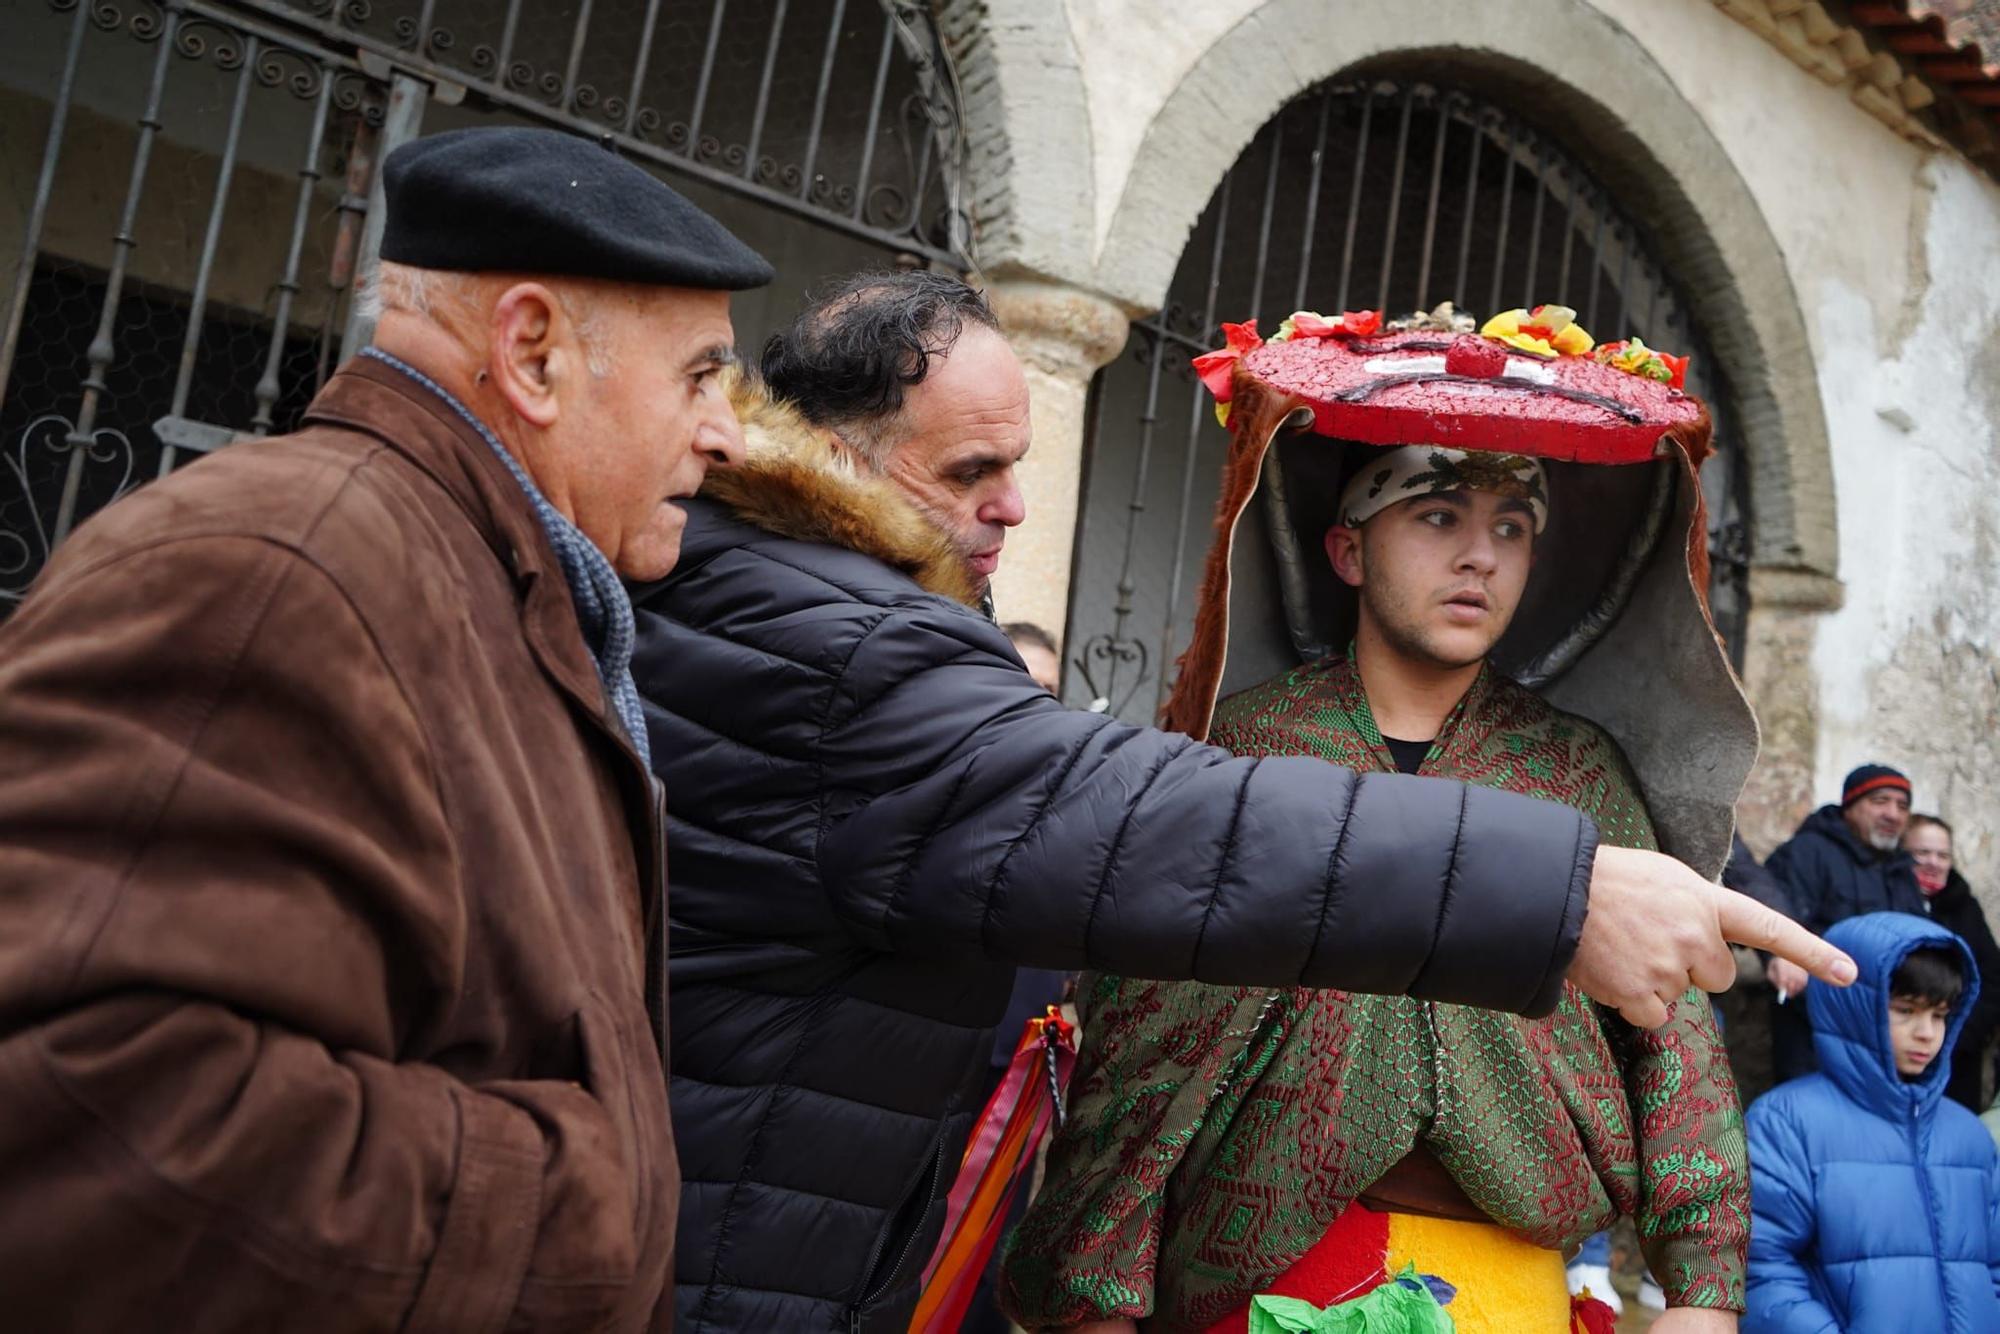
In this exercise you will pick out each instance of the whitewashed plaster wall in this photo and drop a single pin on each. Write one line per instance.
(1893, 250)
(1909, 667)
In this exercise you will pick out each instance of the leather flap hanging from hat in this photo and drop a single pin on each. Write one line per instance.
(1614, 623)
(517, 200)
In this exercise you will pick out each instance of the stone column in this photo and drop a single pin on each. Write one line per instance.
(1062, 336)
(1785, 607)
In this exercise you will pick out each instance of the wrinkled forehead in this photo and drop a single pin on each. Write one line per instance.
(975, 395)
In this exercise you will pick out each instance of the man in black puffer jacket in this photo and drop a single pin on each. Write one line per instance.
(877, 814)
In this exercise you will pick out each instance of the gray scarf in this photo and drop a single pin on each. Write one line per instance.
(602, 606)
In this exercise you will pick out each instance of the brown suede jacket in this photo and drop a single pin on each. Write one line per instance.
(325, 883)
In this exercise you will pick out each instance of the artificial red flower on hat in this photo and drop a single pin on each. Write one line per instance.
(1215, 367)
(1312, 324)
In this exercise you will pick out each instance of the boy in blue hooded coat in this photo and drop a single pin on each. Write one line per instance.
(1875, 1201)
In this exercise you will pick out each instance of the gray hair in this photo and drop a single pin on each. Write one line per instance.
(424, 293)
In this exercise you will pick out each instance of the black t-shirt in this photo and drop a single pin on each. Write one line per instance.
(1409, 755)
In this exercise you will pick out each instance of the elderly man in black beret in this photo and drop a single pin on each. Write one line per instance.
(331, 871)
(878, 814)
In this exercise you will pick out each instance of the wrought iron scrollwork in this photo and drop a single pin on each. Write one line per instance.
(25, 546)
(146, 23)
(797, 145)
(825, 192)
(352, 12)
(906, 192)
(204, 39)
(886, 206)
(357, 94)
(294, 71)
(1106, 658)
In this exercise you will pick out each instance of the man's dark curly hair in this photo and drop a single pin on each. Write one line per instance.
(848, 358)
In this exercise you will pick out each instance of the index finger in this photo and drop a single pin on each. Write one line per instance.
(1748, 922)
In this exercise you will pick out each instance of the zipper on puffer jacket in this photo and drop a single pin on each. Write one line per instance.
(935, 1173)
(1930, 1206)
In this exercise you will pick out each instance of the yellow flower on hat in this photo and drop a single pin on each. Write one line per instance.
(1545, 331)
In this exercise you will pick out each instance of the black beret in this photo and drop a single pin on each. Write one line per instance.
(540, 201)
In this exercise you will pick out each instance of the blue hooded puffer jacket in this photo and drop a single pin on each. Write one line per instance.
(1876, 1201)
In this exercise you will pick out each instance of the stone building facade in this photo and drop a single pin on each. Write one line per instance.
(1800, 191)
(1835, 238)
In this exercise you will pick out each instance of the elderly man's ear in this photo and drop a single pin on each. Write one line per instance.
(532, 348)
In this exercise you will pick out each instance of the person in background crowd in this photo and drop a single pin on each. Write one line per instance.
(329, 848)
(878, 816)
(1746, 875)
(1954, 907)
(1038, 653)
(1876, 1200)
(1844, 860)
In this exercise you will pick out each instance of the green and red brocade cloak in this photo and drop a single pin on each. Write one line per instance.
(1214, 1133)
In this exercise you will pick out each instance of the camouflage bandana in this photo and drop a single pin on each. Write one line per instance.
(1426, 470)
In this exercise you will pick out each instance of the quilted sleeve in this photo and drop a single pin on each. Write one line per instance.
(967, 812)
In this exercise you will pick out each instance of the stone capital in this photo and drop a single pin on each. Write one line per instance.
(1062, 335)
(1061, 331)
(1793, 588)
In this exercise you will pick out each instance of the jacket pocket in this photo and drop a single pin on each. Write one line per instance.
(612, 1061)
(892, 1258)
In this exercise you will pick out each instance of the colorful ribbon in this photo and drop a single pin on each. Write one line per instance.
(998, 1158)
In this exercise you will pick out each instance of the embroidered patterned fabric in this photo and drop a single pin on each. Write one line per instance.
(1214, 1133)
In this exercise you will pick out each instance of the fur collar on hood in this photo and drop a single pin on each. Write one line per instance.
(798, 483)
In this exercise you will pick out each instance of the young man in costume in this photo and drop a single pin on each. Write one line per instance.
(1224, 1143)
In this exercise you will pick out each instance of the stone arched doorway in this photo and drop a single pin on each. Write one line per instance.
(1366, 192)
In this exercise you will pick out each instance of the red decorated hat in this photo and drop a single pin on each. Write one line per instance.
(1529, 382)
(1614, 625)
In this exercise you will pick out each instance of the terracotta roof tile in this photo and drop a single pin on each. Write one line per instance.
(1953, 44)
